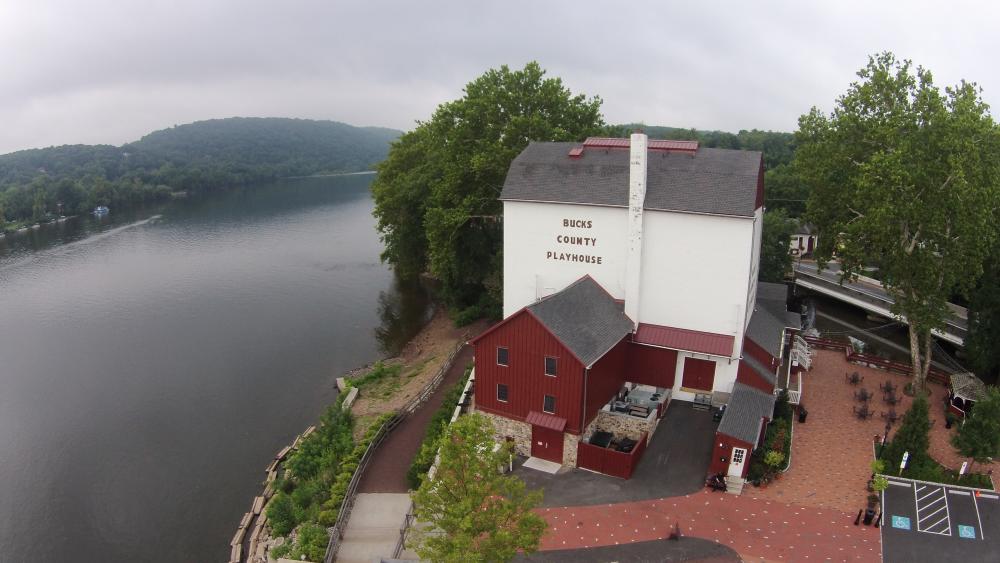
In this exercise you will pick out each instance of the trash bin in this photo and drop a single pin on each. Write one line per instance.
(803, 413)
(869, 516)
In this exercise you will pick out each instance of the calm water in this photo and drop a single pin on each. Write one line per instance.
(149, 372)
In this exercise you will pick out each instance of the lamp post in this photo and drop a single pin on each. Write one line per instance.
(885, 437)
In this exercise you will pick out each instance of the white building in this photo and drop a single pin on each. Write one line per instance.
(670, 228)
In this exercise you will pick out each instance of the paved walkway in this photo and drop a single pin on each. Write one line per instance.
(373, 529)
(832, 451)
(759, 530)
(386, 473)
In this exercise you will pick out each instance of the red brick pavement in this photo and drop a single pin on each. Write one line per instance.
(759, 530)
(832, 451)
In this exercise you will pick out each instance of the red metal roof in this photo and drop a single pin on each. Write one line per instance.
(576, 151)
(684, 339)
(607, 143)
(546, 421)
(665, 145)
(652, 144)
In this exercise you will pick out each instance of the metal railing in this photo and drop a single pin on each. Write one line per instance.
(344, 516)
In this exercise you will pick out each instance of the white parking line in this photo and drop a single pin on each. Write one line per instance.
(927, 495)
(931, 514)
(898, 484)
(982, 534)
(989, 496)
(963, 493)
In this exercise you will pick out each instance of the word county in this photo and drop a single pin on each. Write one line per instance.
(580, 241)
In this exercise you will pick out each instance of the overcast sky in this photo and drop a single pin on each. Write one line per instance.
(108, 72)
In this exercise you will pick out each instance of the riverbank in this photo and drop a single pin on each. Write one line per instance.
(384, 387)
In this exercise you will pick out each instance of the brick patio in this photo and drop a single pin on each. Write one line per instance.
(759, 530)
(832, 451)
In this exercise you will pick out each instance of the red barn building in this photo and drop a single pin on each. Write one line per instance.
(642, 294)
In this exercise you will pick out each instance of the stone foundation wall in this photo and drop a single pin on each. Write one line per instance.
(623, 425)
(520, 431)
(570, 442)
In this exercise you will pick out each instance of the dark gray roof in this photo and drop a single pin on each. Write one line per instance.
(744, 411)
(585, 318)
(770, 317)
(718, 181)
(760, 368)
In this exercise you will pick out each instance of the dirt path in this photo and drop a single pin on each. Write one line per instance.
(387, 471)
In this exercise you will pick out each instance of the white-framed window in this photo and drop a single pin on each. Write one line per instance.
(503, 356)
(549, 404)
(551, 366)
(502, 392)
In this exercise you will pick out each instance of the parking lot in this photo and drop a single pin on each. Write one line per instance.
(931, 522)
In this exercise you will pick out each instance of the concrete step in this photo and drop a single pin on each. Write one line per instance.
(734, 485)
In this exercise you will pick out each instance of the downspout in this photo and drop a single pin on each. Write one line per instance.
(583, 411)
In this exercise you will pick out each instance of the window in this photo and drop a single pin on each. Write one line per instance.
(550, 366)
(501, 392)
(549, 404)
(502, 356)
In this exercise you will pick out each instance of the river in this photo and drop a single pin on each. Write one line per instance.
(152, 363)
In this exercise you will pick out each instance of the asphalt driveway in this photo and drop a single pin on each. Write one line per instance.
(931, 522)
(675, 463)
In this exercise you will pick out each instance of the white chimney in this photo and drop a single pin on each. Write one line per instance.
(636, 199)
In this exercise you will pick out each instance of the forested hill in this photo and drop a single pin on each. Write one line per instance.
(198, 157)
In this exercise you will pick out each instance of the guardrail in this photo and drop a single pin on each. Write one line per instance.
(408, 521)
(344, 516)
(936, 375)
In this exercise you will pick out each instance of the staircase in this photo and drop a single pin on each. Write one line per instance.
(734, 485)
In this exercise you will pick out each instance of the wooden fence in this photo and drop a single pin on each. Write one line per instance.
(608, 461)
(935, 375)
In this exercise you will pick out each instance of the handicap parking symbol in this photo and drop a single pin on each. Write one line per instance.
(966, 532)
(902, 522)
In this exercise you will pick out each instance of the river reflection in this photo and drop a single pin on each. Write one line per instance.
(150, 369)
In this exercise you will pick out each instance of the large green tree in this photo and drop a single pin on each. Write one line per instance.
(472, 512)
(979, 436)
(983, 342)
(436, 194)
(904, 174)
(775, 260)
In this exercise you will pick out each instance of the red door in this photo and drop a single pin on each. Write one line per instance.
(547, 444)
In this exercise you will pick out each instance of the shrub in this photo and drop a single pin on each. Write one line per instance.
(378, 372)
(467, 316)
(774, 459)
(782, 408)
(281, 514)
(311, 542)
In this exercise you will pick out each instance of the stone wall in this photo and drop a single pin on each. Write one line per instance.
(623, 425)
(520, 431)
(570, 442)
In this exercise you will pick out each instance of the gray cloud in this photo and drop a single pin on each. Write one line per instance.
(108, 72)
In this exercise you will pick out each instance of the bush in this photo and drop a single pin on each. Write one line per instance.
(782, 408)
(281, 514)
(378, 372)
(311, 542)
(467, 316)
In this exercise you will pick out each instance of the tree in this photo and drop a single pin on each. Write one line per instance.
(775, 259)
(913, 435)
(905, 174)
(979, 436)
(474, 512)
(785, 190)
(984, 322)
(445, 178)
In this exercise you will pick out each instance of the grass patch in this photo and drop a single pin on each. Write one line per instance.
(926, 469)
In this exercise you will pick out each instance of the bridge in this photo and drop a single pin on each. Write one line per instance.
(869, 295)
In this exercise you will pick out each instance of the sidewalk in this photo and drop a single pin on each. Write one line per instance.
(758, 530)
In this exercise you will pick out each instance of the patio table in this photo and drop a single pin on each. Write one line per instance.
(863, 395)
